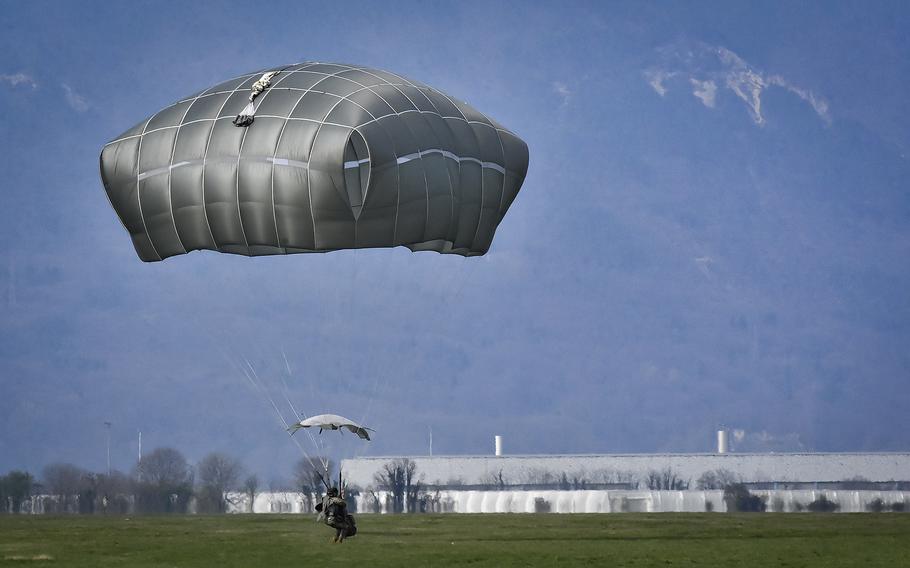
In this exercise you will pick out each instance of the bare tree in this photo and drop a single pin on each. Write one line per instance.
(373, 504)
(164, 466)
(164, 482)
(495, 480)
(572, 480)
(250, 488)
(75, 490)
(217, 474)
(88, 493)
(310, 477)
(539, 477)
(15, 488)
(64, 481)
(280, 484)
(717, 479)
(618, 478)
(666, 479)
(397, 477)
(114, 492)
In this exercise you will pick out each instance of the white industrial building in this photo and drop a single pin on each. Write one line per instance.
(620, 483)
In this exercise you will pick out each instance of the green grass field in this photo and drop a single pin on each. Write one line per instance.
(864, 540)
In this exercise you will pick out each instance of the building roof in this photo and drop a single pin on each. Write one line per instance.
(617, 468)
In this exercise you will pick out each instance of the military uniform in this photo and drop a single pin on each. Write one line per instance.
(334, 511)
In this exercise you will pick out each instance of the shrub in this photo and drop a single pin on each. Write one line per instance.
(716, 479)
(823, 505)
(373, 503)
(740, 500)
(875, 506)
(709, 507)
(777, 505)
(898, 507)
(15, 489)
(541, 505)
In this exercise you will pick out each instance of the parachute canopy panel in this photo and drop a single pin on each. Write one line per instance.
(332, 422)
(326, 157)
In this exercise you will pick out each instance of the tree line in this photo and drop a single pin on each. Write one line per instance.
(162, 481)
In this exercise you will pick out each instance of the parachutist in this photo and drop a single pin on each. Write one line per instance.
(334, 511)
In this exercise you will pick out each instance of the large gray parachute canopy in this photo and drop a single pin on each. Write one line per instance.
(336, 157)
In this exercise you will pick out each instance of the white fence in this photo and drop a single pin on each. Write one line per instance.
(582, 501)
(626, 501)
(522, 501)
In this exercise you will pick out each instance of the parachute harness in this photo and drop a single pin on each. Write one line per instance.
(245, 118)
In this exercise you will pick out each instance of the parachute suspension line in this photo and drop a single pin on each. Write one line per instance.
(286, 391)
(252, 378)
(380, 386)
(466, 275)
(381, 377)
(287, 365)
(352, 311)
(322, 460)
(367, 364)
(354, 267)
(362, 365)
(369, 406)
(256, 387)
(366, 412)
(453, 283)
(287, 426)
(318, 442)
(303, 415)
(452, 290)
(263, 393)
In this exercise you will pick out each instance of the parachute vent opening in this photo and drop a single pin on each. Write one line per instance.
(356, 171)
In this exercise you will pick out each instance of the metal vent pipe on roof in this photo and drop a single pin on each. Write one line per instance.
(497, 440)
(721, 441)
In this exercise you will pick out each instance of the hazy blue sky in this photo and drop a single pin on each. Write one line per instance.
(715, 229)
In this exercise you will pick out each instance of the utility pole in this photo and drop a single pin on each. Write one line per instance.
(108, 425)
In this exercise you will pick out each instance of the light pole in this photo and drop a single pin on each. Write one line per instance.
(139, 463)
(108, 425)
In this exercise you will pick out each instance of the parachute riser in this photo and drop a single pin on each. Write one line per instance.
(322, 479)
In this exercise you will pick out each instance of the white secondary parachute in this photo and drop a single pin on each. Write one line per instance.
(332, 422)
